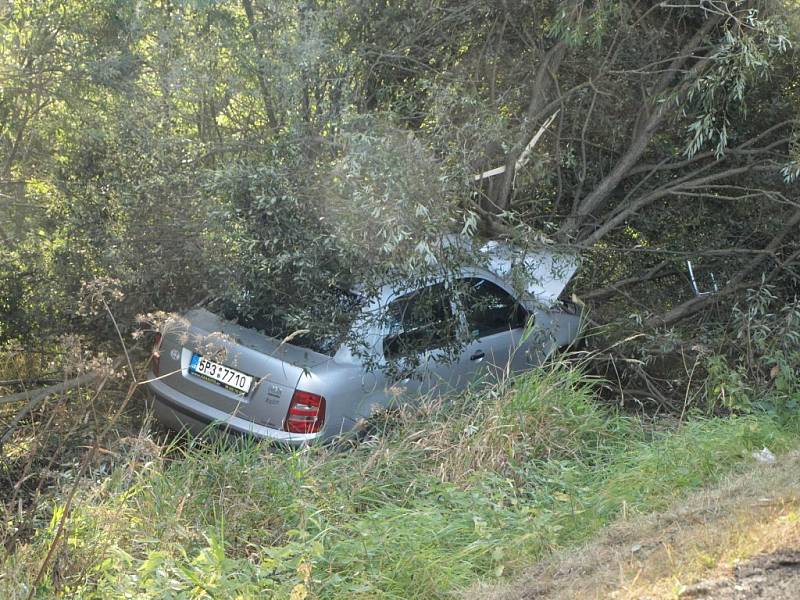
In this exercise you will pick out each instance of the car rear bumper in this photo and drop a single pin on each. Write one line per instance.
(179, 411)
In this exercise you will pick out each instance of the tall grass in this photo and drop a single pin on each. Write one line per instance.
(434, 498)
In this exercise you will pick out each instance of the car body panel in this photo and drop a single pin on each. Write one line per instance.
(180, 411)
(275, 367)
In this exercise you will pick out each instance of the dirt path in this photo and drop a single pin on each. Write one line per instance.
(775, 576)
(739, 540)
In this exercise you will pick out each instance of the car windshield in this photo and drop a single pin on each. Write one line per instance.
(323, 327)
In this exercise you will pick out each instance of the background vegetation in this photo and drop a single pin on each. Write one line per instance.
(257, 151)
(249, 154)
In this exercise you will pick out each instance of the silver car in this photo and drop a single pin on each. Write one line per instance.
(439, 337)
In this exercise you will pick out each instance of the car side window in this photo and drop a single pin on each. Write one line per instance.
(418, 322)
(489, 308)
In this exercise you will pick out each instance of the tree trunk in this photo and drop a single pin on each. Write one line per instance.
(260, 54)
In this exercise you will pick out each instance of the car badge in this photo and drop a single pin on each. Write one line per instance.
(174, 354)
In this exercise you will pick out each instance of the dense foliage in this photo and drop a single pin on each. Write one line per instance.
(261, 151)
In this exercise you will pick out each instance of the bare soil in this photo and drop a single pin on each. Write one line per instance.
(775, 576)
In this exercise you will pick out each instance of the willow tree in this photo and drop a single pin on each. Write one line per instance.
(663, 127)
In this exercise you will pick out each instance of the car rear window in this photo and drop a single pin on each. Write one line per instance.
(328, 321)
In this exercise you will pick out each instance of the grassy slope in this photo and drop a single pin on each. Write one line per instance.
(658, 555)
(475, 489)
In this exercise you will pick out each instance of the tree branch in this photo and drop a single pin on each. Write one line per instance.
(737, 284)
(262, 80)
(646, 126)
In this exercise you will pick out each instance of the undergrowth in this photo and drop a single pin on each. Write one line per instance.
(434, 498)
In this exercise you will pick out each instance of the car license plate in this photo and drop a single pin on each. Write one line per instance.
(218, 373)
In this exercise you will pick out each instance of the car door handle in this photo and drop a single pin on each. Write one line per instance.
(479, 355)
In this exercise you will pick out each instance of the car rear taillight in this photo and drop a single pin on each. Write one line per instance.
(306, 413)
(155, 355)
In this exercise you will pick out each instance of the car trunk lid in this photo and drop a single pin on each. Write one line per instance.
(275, 366)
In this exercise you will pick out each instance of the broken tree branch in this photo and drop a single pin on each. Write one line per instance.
(42, 393)
(34, 398)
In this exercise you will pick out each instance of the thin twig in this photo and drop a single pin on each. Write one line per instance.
(121, 341)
